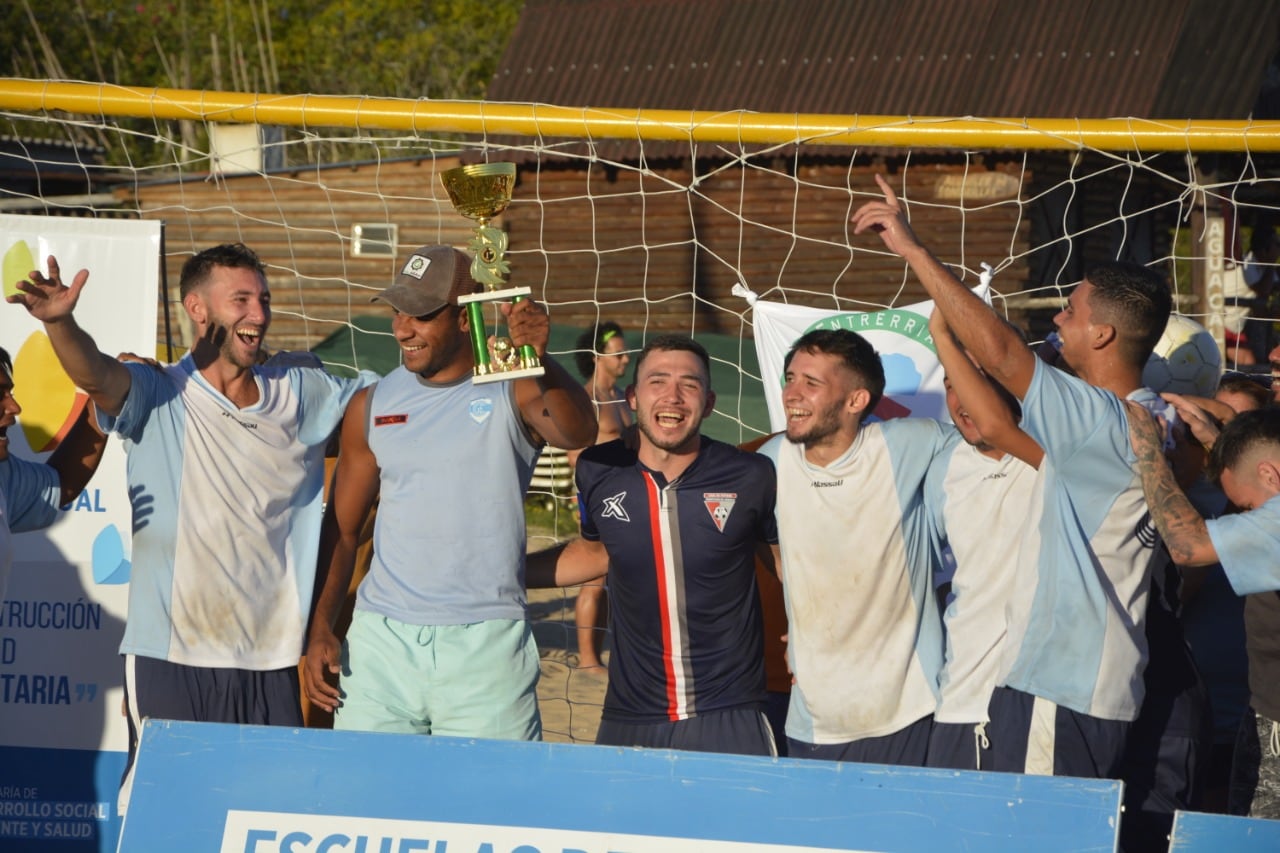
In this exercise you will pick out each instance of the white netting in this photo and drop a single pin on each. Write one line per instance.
(654, 235)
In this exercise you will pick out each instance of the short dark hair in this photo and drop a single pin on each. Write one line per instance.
(673, 343)
(591, 344)
(197, 268)
(1241, 435)
(1257, 387)
(853, 350)
(1136, 301)
(5, 361)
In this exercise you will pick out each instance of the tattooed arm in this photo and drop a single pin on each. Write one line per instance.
(1182, 528)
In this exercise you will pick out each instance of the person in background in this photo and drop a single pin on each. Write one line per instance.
(32, 492)
(601, 357)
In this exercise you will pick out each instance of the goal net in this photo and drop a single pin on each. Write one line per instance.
(658, 221)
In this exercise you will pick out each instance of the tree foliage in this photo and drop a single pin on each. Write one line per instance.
(388, 48)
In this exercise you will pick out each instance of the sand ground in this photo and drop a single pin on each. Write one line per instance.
(570, 699)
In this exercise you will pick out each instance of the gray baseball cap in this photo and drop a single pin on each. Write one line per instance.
(432, 277)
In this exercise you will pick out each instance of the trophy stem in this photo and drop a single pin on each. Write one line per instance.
(479, 342)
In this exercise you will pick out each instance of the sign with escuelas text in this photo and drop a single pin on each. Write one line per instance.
(253, 789)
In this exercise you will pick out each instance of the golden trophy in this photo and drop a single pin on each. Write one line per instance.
(480, 192)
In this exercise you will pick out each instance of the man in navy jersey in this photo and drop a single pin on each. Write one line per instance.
(677, 521)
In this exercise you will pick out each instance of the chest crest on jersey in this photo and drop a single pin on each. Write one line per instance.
(719, 504)
(481, 409)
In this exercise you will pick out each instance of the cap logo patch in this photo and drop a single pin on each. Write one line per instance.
(481, 409)
(388, 420)
(416, 266)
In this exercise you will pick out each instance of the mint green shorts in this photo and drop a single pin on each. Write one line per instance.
(477, 680)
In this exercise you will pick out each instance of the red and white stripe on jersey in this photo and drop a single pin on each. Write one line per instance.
(664, 531)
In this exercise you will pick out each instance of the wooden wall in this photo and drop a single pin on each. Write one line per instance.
(300, 224)
(633, 246)
(657, 256)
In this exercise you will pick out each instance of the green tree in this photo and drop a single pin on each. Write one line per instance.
(383, 48)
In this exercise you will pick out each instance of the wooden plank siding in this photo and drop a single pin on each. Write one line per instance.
(300, 224)
(593, 246)
(592, 243)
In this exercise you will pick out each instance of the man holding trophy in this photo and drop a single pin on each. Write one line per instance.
(439, 642)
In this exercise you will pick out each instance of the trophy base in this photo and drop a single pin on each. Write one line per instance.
(506, 375)
(494, 295)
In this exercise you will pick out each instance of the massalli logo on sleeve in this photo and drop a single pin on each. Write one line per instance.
(613, 508)
(480, 409)
(387, 420)
(719, 504)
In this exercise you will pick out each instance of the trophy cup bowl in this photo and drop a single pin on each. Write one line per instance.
(480, 192)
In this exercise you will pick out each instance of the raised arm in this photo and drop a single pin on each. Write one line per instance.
(990, 413)
(46, 298)
(1000, 351)
(77, 456)
(355, 485)
(571, 563)
(1181, 527)
(554, 406)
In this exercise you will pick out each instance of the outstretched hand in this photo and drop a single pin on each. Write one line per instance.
(887, 218)
(45, 297)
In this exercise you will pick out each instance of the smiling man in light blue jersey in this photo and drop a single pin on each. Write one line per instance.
(225, 473)
(865, 638)
(1071, 679)
(439, 642)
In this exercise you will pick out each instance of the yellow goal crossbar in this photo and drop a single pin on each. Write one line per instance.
(524, 119)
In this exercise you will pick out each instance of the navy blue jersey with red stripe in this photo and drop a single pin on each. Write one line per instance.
(684, 611)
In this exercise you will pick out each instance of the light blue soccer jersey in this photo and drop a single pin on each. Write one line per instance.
(977, 506)
(1248, 546)
(29, 494)
(865, 637)
(1078, 610)
(226, 512)
(455, 462)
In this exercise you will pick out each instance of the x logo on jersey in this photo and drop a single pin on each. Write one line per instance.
(613, 508)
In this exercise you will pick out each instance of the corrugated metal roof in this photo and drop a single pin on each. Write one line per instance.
(1044, 58)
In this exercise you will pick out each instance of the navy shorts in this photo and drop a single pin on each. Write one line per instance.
(907, 747)
(959, 746)
(737, 731)
(172, 691)
(1032, 735)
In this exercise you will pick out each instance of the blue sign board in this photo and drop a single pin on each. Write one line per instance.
(249, 789)
(1214, 833)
